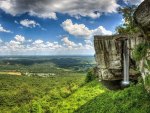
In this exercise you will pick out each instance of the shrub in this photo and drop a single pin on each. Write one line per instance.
(140, 51)
(90, 75)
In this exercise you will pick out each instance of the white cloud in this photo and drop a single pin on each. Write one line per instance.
(12, 43)
(76, 29)
(19, 38)
(14, 46)
(44, 15)
(29, 23)
(80, 30)
(101, 31)
(77, 46)
(133, 2)
(49, 8)
(38, 42)
(68, 43)
(21, 46)
(2, 29)
(41, 45)
(53, 45)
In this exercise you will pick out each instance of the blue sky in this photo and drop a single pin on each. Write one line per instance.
(56, 27)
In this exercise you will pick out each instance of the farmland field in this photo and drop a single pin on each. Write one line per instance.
(10, 73)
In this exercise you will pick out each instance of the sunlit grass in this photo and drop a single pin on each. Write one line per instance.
(79, 98)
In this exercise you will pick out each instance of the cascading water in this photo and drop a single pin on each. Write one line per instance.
(126, 63)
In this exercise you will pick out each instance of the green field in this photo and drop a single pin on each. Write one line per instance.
(48, 87)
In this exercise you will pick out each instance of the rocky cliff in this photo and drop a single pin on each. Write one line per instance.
(142, 19)
(108, 50)
(109, 56)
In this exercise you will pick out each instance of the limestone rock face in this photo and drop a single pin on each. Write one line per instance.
(109, 56)
(142, 17)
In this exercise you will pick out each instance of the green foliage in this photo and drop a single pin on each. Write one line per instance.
(130, 100)
(20, 94)
(147, 80)
(76, 99)
(47, 64)
(140, 51)
(90, 75)
(65, 94)
(35, 107)
(129, 26)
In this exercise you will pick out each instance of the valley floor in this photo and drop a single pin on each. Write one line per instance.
(68, 94)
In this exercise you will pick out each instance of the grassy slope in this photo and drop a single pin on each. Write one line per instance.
(130, 100)
(80, 97)
(95, 98)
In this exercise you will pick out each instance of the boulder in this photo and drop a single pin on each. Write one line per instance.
(142, 17)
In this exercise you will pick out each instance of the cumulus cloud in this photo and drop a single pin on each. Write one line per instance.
(2, 29)
(88, 45)
(21, 46)
(29, 23)
(133, 2)
(41, 45)
(19, 38)
(13, 46)
(44, 15)
(76, 29)
(38, 42)
(49, 8)
(101, 31)
(80, 30)
(68, 43)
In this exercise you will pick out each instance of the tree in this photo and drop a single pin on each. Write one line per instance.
(129, 25)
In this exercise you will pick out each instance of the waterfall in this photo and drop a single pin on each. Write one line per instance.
(126, 63)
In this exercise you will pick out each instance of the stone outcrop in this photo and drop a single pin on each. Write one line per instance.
(109, 56)
(108, 50)
(142, 17)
